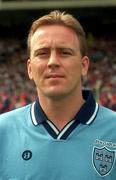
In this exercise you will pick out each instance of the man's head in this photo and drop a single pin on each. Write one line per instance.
(59, 18)
(58, 60)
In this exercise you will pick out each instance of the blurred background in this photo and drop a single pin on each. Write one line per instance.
(99, 21)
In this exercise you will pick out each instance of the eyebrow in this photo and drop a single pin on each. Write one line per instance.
(43, 48)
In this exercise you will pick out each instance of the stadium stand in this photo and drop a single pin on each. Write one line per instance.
(16, 90)
(97, 17)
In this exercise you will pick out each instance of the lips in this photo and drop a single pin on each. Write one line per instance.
(54, 76)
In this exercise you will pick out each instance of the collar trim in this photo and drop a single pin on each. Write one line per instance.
(86, 115)
(53, 127)
(94, 115)
(33, 114)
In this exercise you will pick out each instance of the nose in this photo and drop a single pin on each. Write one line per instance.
(53, 60)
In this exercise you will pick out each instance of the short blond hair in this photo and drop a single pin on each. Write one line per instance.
(59, 18)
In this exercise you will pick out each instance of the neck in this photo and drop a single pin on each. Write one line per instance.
(60, 112)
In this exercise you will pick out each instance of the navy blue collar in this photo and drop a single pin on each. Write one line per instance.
(85, 115)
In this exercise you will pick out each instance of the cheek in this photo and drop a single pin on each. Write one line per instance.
(38, 70)
(76, 69)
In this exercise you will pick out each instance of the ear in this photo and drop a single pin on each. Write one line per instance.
(29, 69)
(85, 65)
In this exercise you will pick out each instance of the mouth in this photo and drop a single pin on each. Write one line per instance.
(54, 76)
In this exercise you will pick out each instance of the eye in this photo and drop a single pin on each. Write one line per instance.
(41, 53)
(66, 52)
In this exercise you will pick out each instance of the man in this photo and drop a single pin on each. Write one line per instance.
(64, 134)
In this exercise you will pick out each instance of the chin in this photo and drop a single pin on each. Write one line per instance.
(57, 95)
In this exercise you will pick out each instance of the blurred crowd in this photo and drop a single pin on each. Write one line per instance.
(102, 73)
(17, 90)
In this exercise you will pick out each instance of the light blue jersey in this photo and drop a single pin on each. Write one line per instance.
(32, 148)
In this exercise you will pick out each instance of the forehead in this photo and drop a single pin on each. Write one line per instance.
(53, 34)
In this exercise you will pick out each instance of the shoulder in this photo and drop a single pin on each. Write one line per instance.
(106, 114)
(107, 111)
(14, 115)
